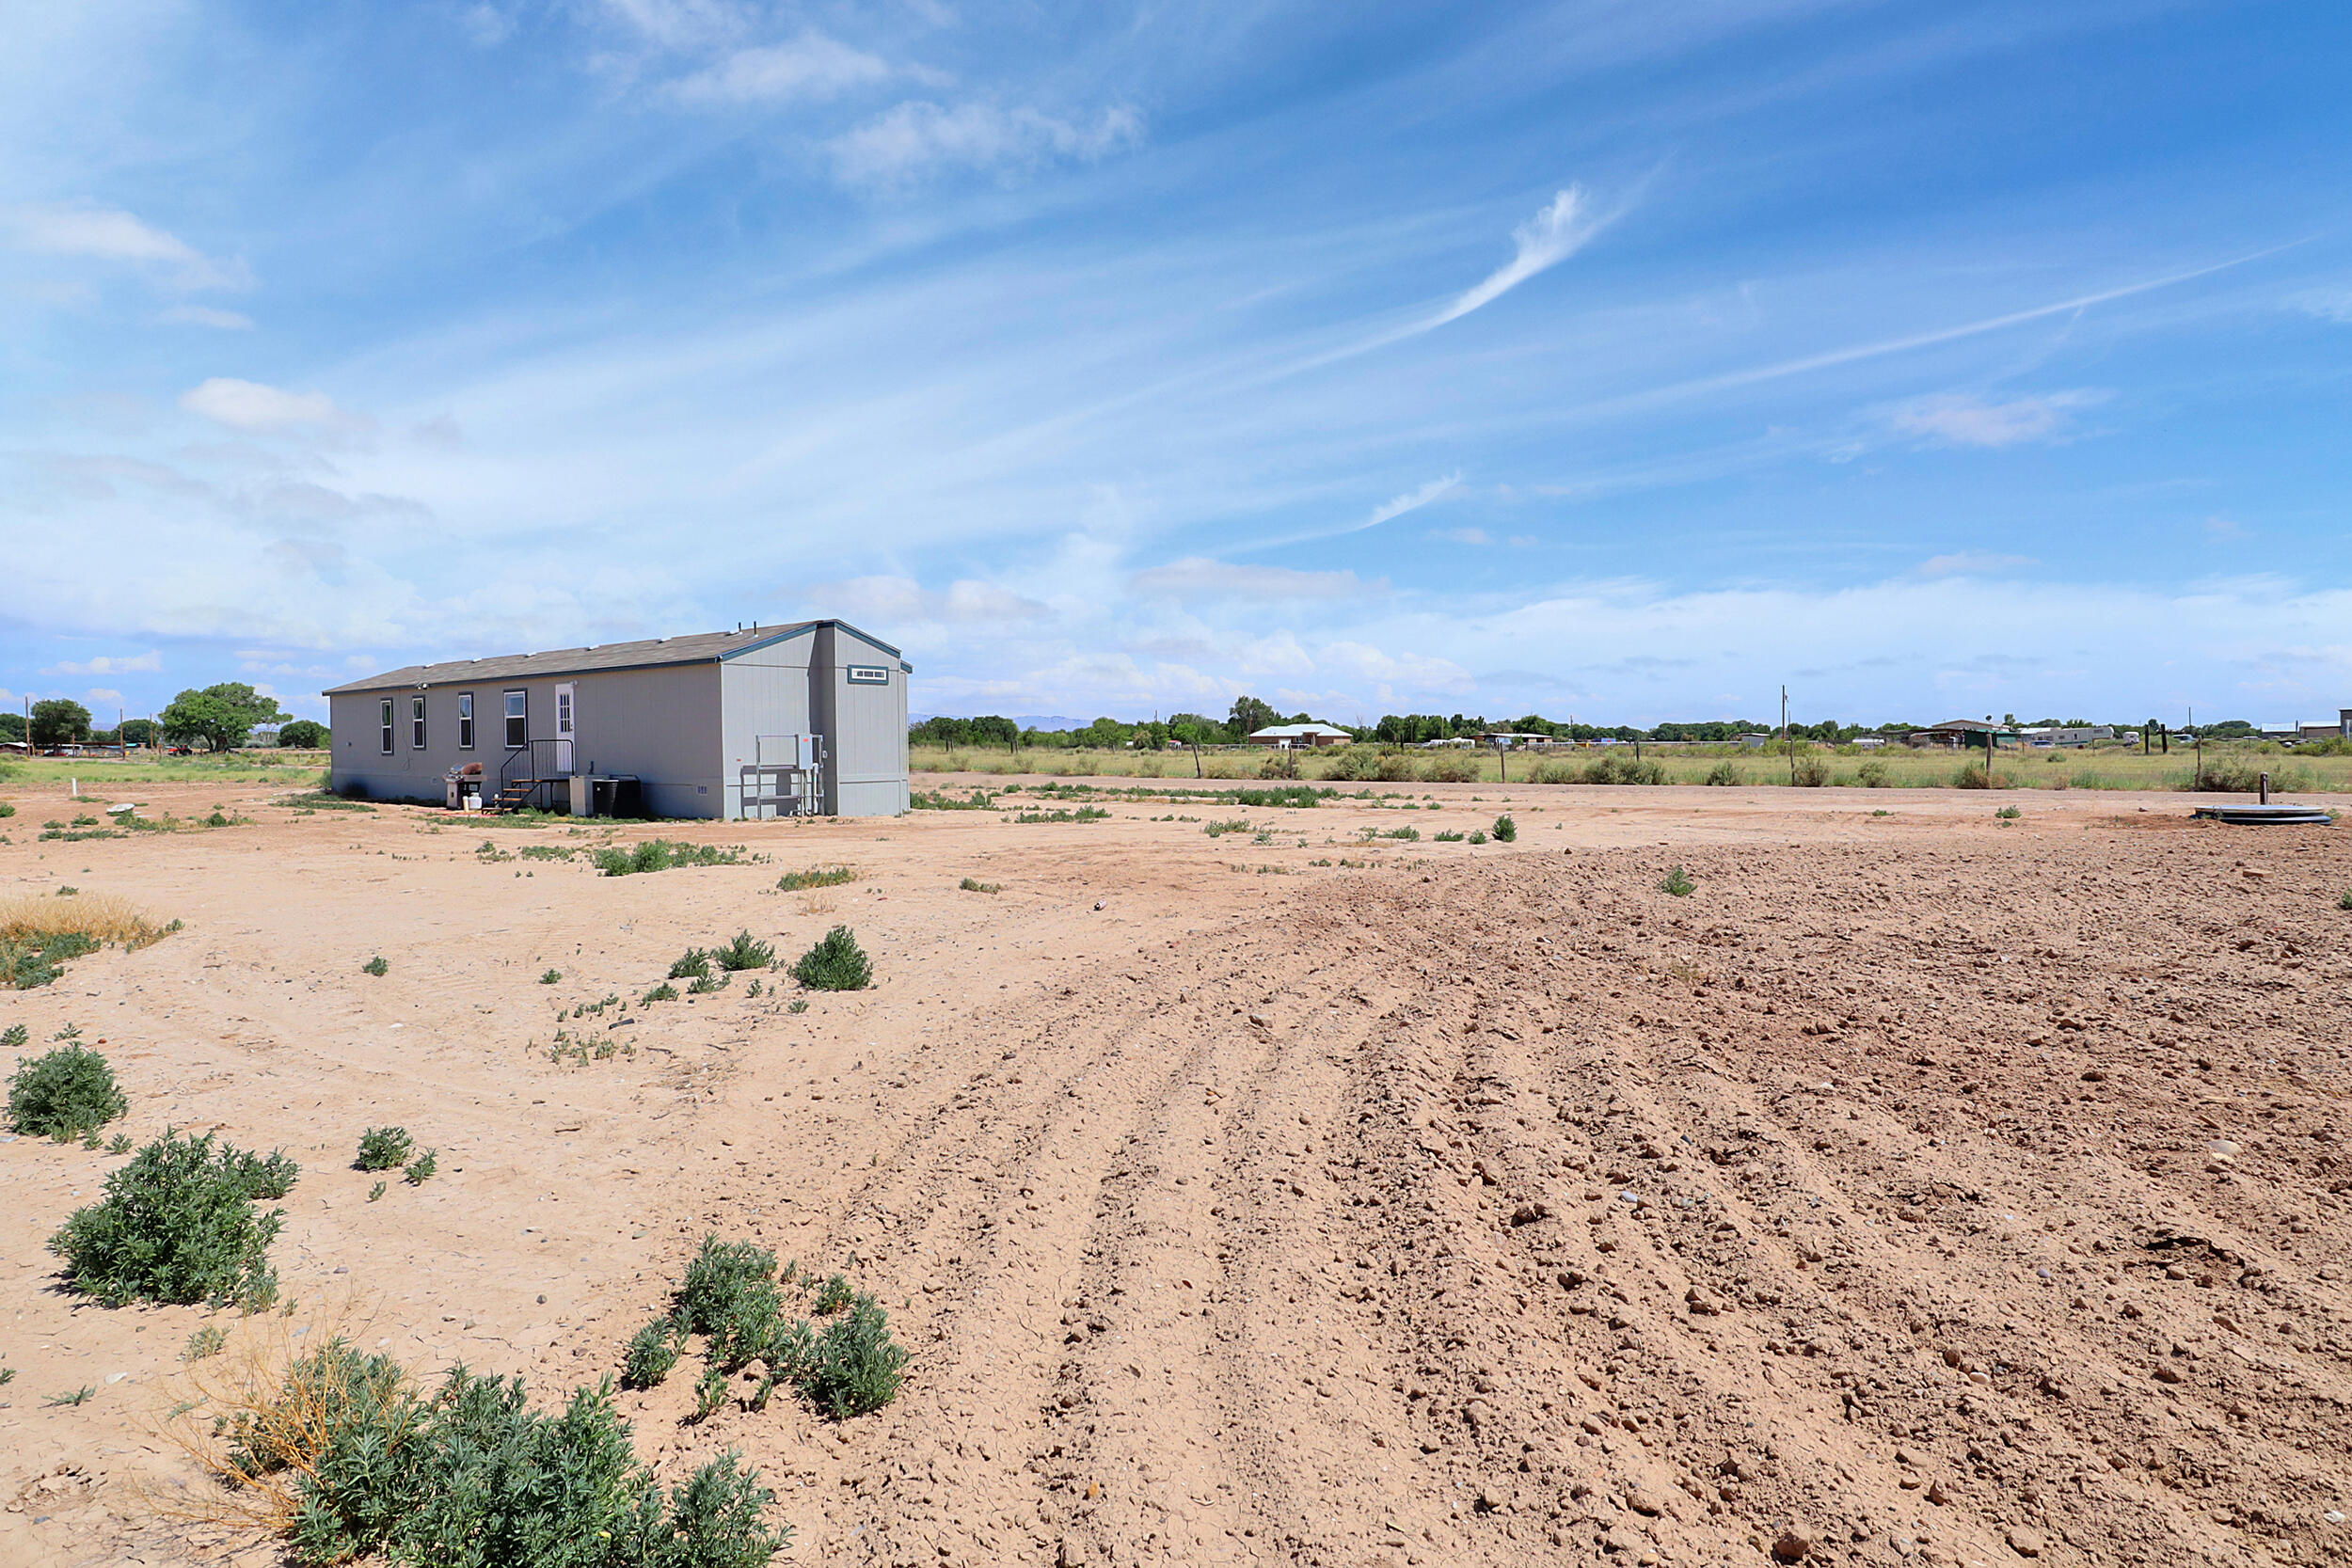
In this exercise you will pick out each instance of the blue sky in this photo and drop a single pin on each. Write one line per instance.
(1624, 358)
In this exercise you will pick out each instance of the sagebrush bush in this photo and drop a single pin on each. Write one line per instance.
(835, 963)
(1724, 773)
(383, 1148)
(856, 1366)
(177, 1226)
(1506, 830)
(471, 1477)
(64, 1094)
(653, 1350)
(745, 952)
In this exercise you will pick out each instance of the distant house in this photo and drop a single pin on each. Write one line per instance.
(1754, 739)
(2338, 728)
(1513, 738)
(1956, 733)
(1300, 737)
(1868, 742)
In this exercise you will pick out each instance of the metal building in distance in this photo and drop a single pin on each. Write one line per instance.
(802, 720)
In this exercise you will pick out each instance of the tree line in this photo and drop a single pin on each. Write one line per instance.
(220, 717)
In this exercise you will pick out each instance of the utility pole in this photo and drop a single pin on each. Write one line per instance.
(1788, 737)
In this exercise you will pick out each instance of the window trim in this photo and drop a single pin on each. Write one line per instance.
(465, 720)
(518, 714)
(416, 722)
(384, 726)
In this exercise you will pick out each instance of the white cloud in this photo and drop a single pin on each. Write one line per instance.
(204, 315)
(2334, 305)
(254, 408)
(885, 599)
(812, 66)
(680, 24)
(1956, 419)
(1972, 563)
(135, 664)
(1199, 577)
(1414, 672)
(105, 696)
(109, 234)
(1462, 535)
(918, 138)
(486, 25)
(1553, 235)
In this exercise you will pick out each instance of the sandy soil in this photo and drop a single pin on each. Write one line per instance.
(1918, 1189)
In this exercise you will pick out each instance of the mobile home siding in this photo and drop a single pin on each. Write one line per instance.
(657, 723)
(763, 692)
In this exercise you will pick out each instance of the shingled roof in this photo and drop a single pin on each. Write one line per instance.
(707, 647)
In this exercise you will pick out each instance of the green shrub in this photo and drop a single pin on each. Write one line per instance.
(972, 884)
(1506, 830)
(695, 965)
(550, 976)
(205, 1342)
(1478, 835)
(2008, 813)
(1083, 814)
(1873, 775)
(835, 963)
(15, 1036)
(819, 875)
(1975, 775)
(1809, 772)
(1230, 825)
(1453, 838)
(745, 952)
(1724, 773)
(271, 1177)
(64, 1094)
(661, 854)
(832, 1296)
(856, 1366)
(177, 1226)
(709, 983)
(382, 1148)
(662, 993)
(1678, 884)
(378, 1191)
(653, 1350)
(376, 966)
(422, 1168)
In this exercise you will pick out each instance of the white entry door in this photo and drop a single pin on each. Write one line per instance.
(564, 716)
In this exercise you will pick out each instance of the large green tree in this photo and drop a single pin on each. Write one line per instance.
(1249, 715)
(306, 733)
(219, 716)
(59, 722)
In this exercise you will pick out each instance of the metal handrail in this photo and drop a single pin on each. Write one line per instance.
(528, 754)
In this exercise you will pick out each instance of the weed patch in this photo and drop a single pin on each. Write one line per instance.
(64, 1094)
(1504, 831)
(661, 854)
(382, 1148)
(1083, 814)
(972, 884)
(815, 876)
(745, 952)
(694, 964)
(835, 963)
(376, 966)
(1230, 825)
(1677, 884)
(177, 1225)
(940, 800)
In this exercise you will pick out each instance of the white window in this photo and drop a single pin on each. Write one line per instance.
(385, 717)
(416, 722)
(465, 720)
(517, 721)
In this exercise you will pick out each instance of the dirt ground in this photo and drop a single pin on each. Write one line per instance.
(1919, 1188)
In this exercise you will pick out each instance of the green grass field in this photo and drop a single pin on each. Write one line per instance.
(271, 767)
(1896, 768)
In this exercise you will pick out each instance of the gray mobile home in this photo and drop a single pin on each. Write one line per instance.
(809, 719)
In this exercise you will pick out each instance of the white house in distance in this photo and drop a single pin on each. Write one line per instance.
(1300, 737)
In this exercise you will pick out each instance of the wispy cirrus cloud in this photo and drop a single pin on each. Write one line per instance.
(1542, 243)
(254, 408)
(883, 600)
(812, 66)
(1960, 420)
(1201, 577)
(916, 139)
(88, 232)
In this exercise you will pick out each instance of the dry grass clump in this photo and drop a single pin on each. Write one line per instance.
(31, 919)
